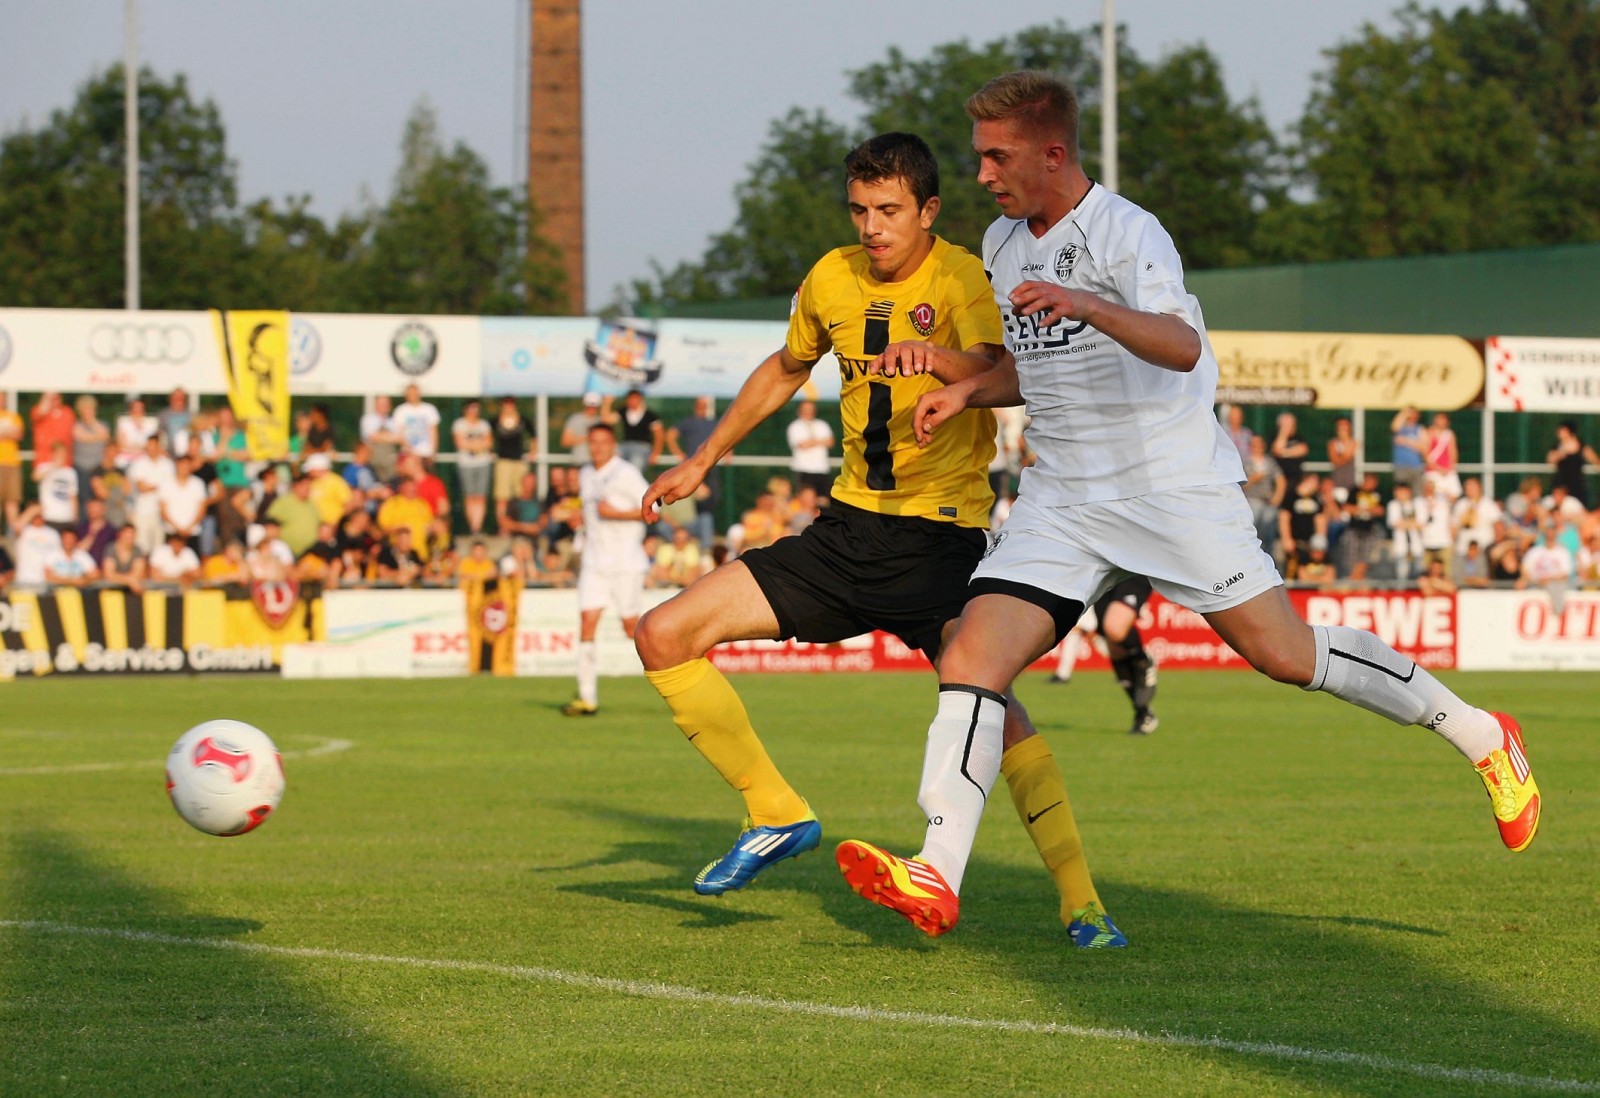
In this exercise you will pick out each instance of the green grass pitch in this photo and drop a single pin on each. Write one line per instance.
(479, 896)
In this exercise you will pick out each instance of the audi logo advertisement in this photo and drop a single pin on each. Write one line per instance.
(139, 343)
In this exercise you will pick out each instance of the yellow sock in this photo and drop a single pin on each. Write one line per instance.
(709, 712)
(1041, 799)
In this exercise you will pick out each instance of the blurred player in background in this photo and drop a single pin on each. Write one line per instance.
(1115, 618)
(1133, 475)
(904, 531)
(613, 566)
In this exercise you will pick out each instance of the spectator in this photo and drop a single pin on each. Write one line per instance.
(575, 432)
(322, 560)
(149, 472)
(1342, 452)
(1405, 523)
(804, 510)
(521, 563)
(1332, 499)
(477, 564)
(1435, 580)
(226, 567)
(58, 488)
(95, 534)
(379, 432)
(235, 512)
(362, 476)
(522, 515)
(183, 502)
(173, 561)
(1562, 507)
(1567, 460)
(1505, 553)
(762, 525)
(405, 510)
(53, 422)
(173, 422)
(563, 510)
(1237, 432)
(134, 429)
(1316, 570)
(679, 562)
(123, 564)
(110, 485)
(1362, 543)
(1300, 520)
(1438, 535)
(1548, 565)
(810, 443)
(1472, 566)
(70, 565)
(232, 457)
(10, 465)
(1265, 488)
(1473, 517)
(513, 438)
(296, 516)
(1442, 457)
(1588, 561)
(417, 423)
(439, 553)
(319, 431)
(1525, 507)
(1407, 447)
(8, 568)
(474, 441)
(35, 543)
(398, 563)
(358, 549)
(641, 433)
(270, 558)
(430, 489)
(329, 492)
(91, 438)
(1008, 451)
(1289, 450)
(684, 438)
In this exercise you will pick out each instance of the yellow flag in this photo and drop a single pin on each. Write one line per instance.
(255, 353)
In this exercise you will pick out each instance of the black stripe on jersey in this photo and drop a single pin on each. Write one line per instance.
(876, 455)
(875, 334)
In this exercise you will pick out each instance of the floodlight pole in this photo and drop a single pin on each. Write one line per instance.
(1108, 94)
(130, 125)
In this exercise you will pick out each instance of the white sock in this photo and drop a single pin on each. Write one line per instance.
(589, 672)
(1356, 666)
(1069, 657)
(959, 769)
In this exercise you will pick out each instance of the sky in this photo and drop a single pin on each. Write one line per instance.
(678, 97)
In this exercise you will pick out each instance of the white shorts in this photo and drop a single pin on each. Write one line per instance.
(622, 592)
(1198, 547)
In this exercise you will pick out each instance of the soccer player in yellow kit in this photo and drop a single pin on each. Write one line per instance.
(895, 549)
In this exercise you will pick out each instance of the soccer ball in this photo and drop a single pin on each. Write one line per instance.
(224, 777)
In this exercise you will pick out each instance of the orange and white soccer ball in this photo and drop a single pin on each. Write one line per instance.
(224, 777)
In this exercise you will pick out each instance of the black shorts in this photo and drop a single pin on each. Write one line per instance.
(852, 571)
(1133, 592)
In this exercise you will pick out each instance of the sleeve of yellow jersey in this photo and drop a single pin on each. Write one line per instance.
(977, 317)
(808, 334)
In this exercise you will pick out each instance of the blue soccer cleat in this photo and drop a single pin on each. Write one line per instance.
(1092, 928)
(757, 848)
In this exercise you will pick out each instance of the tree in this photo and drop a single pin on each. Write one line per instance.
(449, 241)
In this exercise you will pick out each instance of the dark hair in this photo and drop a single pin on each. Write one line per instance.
(606, 427)
(902, 156)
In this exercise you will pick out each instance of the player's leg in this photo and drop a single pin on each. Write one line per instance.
(1135, 668)
(1358, 667)
(587, 703)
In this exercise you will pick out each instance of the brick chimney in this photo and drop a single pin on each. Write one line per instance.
(555, 134)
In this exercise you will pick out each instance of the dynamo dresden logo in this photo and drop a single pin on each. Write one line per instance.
(1066, 259)
(922, 319)
(494, 617)
(275, 600)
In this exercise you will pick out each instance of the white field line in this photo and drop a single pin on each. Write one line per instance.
(649, 990)
(325, 747)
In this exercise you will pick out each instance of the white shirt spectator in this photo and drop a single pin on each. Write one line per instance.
(170, 566)
(183, 502)
(145, 470)
(133, 431)
(269, 559)
(417, 424)
(75, 565)
(58, 494)
(810, 440)
(1407, 541)
(35, 545)
(1545, 564)
(372, 424)
(481, 429)
(1009, 424)
(1474, 521)
(1434, 511)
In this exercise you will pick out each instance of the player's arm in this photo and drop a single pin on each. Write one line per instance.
(994, 388)
(914, 356)
(769, 387)
(1161, 339)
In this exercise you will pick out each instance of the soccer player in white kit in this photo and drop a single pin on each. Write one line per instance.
(1134, 476)
(614, 563)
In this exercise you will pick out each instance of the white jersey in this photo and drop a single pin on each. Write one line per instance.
(612, 545)
(1103, 423)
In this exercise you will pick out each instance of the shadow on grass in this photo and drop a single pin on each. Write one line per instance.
(84, 1013)
(1331, 982)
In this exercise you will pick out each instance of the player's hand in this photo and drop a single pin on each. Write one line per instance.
(678, 482)
(905, 359)
(1050, 304)
(936, 407)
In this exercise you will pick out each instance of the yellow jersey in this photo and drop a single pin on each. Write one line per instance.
(947, 301)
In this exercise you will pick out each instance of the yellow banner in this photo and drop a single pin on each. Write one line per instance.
(1337, 370)
(255, 354)
(492, 624)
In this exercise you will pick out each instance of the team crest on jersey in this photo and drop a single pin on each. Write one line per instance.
(275, 600)
(922, 319)
(1066, 259)
(494, 617)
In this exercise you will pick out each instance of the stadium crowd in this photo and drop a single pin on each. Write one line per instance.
(173, 497)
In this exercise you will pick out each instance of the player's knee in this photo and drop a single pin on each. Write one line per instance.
(658, 641)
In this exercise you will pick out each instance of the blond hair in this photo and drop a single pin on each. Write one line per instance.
(1039, 103)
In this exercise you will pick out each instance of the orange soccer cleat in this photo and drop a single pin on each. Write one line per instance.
(910, 886)
(1512, 790)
